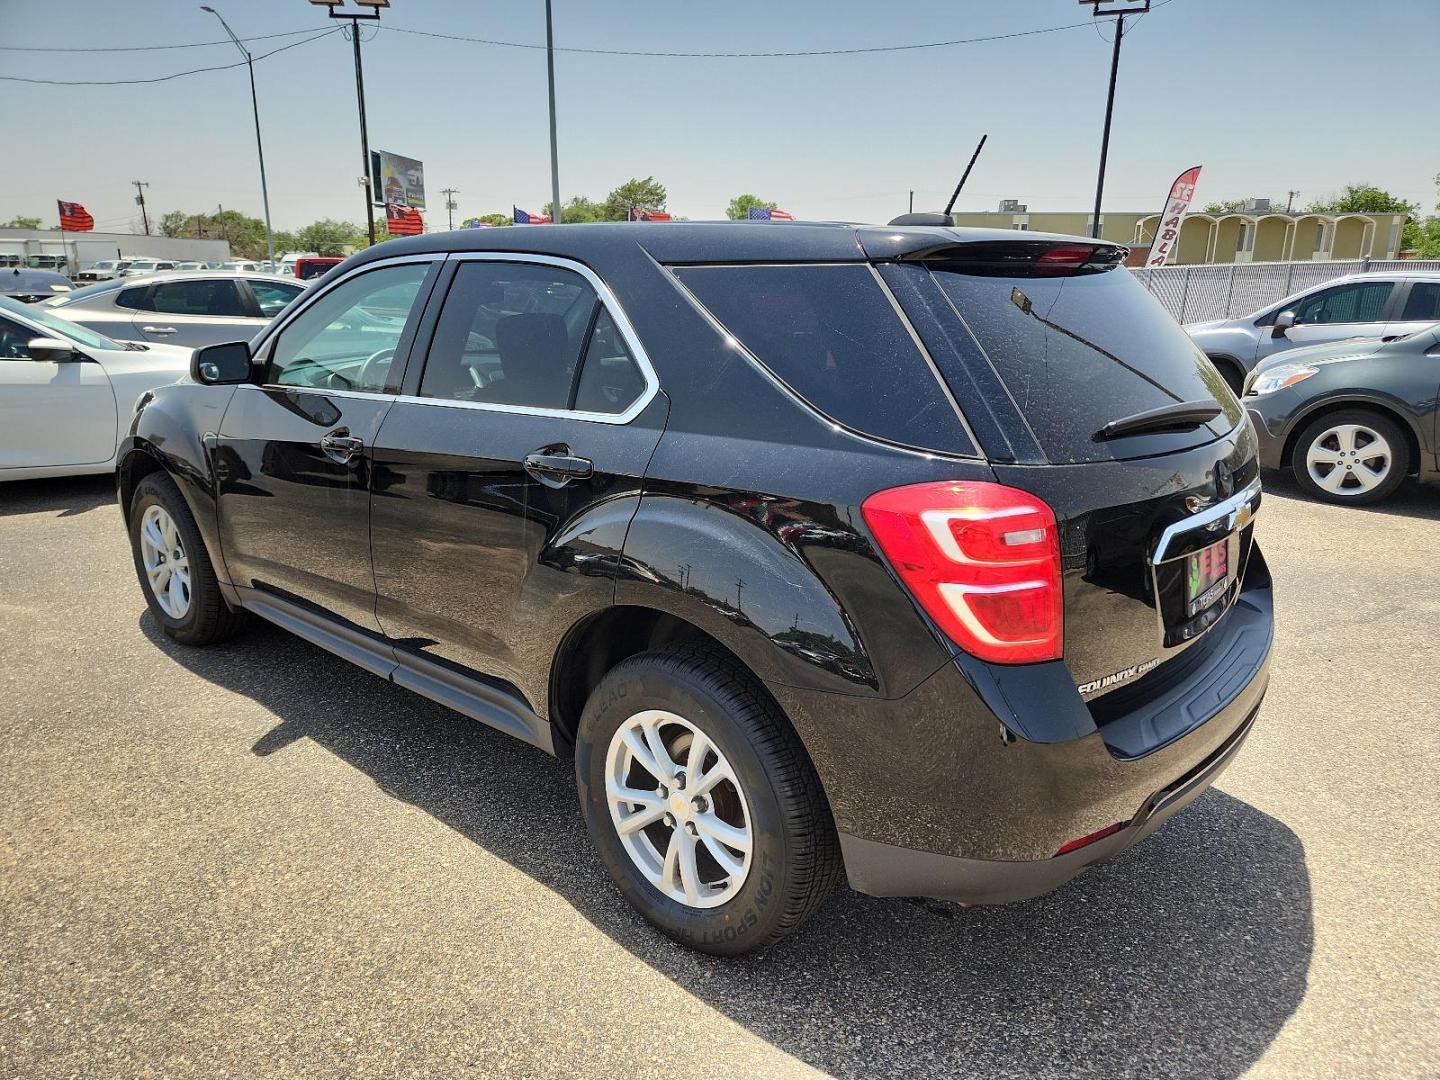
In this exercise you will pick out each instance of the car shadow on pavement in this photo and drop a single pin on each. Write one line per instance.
(63, 496)
(1411, 499)
(1184, 957)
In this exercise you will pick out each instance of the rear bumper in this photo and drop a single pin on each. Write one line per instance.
(888, 870)
(966, 788)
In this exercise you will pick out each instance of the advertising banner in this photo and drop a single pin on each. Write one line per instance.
(396, 180)
(1167, 232)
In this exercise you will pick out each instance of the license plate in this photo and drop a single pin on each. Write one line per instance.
(1207, 574)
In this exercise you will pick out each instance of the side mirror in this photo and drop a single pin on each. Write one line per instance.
(53, 350)
(1284, 321)
(221, 365)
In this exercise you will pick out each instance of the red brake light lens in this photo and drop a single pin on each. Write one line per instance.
(1064, 259)
(982, 559)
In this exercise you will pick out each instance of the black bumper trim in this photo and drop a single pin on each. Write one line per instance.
(879, 869)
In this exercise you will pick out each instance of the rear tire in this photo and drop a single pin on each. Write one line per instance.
(725, 900)
(174, 568)
(1351, 457)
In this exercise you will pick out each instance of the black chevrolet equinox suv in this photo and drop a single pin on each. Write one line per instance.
(918, 555)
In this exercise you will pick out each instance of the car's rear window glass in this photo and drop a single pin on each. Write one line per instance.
(832, 335)
(1423, 304)
(1078, 352)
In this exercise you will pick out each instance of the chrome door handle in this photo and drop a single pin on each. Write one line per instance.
(341, 445)
(159, 329)
(557, 467)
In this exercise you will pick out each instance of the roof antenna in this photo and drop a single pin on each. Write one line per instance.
(951, 204)
(932, 218)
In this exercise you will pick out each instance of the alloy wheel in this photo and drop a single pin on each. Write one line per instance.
(678, 808)
(1349, 459)
(167, 566)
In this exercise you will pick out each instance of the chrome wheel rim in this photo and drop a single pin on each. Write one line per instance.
(167, 566)
(678, 809)
(1349, 459)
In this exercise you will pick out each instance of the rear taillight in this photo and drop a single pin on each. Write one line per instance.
(982, 559)
(1064, 259)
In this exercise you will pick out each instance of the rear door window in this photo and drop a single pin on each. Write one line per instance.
(1423, 304)
(1079, 351)
(833, 336)
(1345, 304)
(202, 297)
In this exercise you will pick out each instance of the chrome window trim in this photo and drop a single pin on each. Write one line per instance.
(611, 304)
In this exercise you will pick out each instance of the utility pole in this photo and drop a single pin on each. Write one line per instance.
(1290, 200)
(355, 18)
(912, 200)
(450, 194)
(140, 186)
(259, 146)
(1100, 10)
(554, 144)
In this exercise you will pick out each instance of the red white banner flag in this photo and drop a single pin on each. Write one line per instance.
(1167, 232)
(403, 221)
(74, 217)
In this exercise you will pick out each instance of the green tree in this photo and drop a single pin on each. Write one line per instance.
(741, 205)
(1364, 198)
(578, 209)
(245, 234)
(173, 223)
(647, 194)
(330, 237)
(488, 219)
(22, 223)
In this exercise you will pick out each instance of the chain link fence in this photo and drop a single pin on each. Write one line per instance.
(1195, 293)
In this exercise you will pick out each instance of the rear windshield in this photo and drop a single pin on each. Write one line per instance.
(1078, 352)
(831, 334)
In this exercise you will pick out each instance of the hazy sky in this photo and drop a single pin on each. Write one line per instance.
(1267, 95)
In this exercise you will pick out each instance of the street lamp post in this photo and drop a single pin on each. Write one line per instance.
(259, 146)
(354, 18)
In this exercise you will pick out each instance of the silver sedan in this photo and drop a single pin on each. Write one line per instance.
(191, 309)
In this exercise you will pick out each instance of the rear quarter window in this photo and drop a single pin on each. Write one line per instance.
(832, 335)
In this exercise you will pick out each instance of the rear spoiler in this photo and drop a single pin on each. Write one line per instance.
(1021, 258)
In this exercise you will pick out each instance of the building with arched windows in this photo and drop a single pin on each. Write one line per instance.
(1256, 234)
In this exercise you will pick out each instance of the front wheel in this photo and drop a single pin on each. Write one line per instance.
(173, 566)
(702, 802)
(1354, 456)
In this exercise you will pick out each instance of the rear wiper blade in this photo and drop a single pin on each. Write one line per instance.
(1182, 417)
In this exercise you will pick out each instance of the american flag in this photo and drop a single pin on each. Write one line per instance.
(759, 213)
(524, 217)
(402, 220)
(637, 214)
(74, 217)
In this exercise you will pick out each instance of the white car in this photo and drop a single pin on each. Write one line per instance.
(67, 393)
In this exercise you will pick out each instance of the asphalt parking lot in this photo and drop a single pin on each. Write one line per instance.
(256, 860)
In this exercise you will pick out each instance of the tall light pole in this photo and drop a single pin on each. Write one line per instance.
(259, 146)
(554, 145)
(1117, 9)
(354, 18)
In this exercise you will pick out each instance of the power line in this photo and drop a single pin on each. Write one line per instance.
(146, 48)
(740, 55)
(163, 78)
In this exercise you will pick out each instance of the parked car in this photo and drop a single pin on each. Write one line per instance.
(192, 309)
(1359, 306)
(104, 270)
(32, 286)
(66, 393)
(1353, 418)
(186, 267)
(810, 573)
(142, 267)
(241, 267)
(314, 266)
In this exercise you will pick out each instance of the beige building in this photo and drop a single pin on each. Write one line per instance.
(1257, 234)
